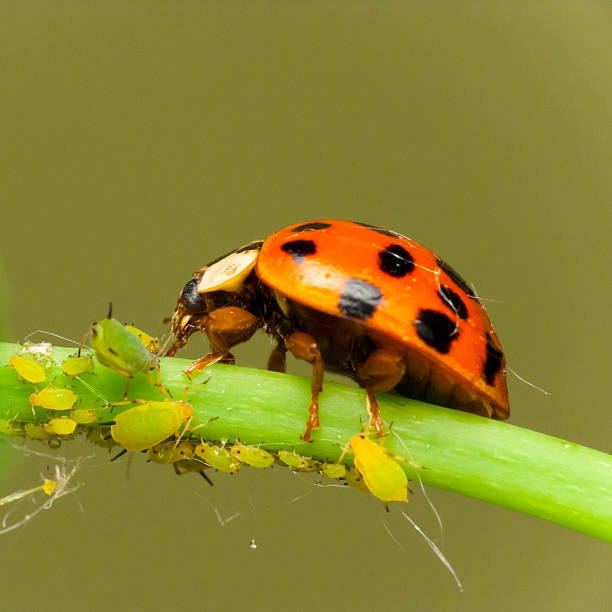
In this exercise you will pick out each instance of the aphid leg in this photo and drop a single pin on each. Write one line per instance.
(225, 327)
(305, 347)
(158, 383)
(127, 387)
(380, 372)
(277, 362)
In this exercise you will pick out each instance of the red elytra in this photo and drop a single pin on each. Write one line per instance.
(356, 299)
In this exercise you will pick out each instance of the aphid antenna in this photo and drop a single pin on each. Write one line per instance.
(435, 549)
(48, 333)
(529, 384)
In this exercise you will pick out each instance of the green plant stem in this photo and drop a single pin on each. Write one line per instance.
(489, 460)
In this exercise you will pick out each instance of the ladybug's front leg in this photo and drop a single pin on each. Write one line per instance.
(380, 372)
(304, 346)
(225, 327)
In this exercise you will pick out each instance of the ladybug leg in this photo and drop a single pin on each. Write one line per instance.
(304, 346)
(380, 372)
(277, 362)
(225, 327)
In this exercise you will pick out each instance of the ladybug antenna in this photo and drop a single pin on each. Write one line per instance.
(110, 310)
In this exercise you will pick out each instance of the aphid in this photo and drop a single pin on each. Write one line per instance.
(355, 299)
(334, 470)
(120, 350)
(36, 432)
(353, 478)
(170, 452)
(54, 398)
(28, 369)
(62, 426)
(252, 455)
(218, 457)
(10, 428)
(149, 342)
(100, 436)
(298, 462)
(381, 473)
(75, 366)
(83, 416)
(148, 423)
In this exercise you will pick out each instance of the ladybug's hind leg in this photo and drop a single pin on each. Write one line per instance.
(225, 327)
(380, 372)
(303, 346)
(277, 362)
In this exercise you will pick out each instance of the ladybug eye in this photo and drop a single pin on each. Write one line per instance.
(194, 302)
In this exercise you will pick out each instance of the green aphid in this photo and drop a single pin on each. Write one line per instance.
(218, 457)
(252, 455)
(121, 350)
(298, 462)
(77, 365)
(9, 428)
(334, 470)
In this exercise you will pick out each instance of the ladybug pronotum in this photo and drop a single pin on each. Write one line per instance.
(351, 298)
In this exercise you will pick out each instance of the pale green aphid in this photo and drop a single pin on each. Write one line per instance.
(298, 462)
(83, 416)
(252, 455)
(8, 428)
(74, 366)
(150, 423)
(217, 457)
(334, 470)
(36, 432)
(121, 350)
(61, 426)
(170, 452)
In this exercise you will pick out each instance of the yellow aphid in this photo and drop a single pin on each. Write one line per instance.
(252, 455)
(74, 366)
(149, 423)
(334, 470)
(217, 457)
(62, 426)
(83, 416)
(381, 473)
(54, 398)
(149, 342)
(298, 462)
(35, 432)
(49, 486)
(29, 369)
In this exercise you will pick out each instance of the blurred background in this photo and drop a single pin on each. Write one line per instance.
(142, 139)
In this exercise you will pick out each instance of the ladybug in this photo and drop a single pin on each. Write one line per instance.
(355, 299)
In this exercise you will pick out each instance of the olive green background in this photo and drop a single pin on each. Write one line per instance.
(141, 139)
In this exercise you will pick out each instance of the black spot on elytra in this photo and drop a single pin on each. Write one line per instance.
(395, 261)
(315, 225)
(453, 301)
(194, 302)
(436, 330)
(456, 278)
(299, 249)
(250, 247)
(493, 362)
(359, 298)
(384, 232)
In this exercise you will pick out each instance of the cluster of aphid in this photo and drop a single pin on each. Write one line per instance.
(162, 427)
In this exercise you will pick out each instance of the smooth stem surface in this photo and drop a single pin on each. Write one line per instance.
(489, 460)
